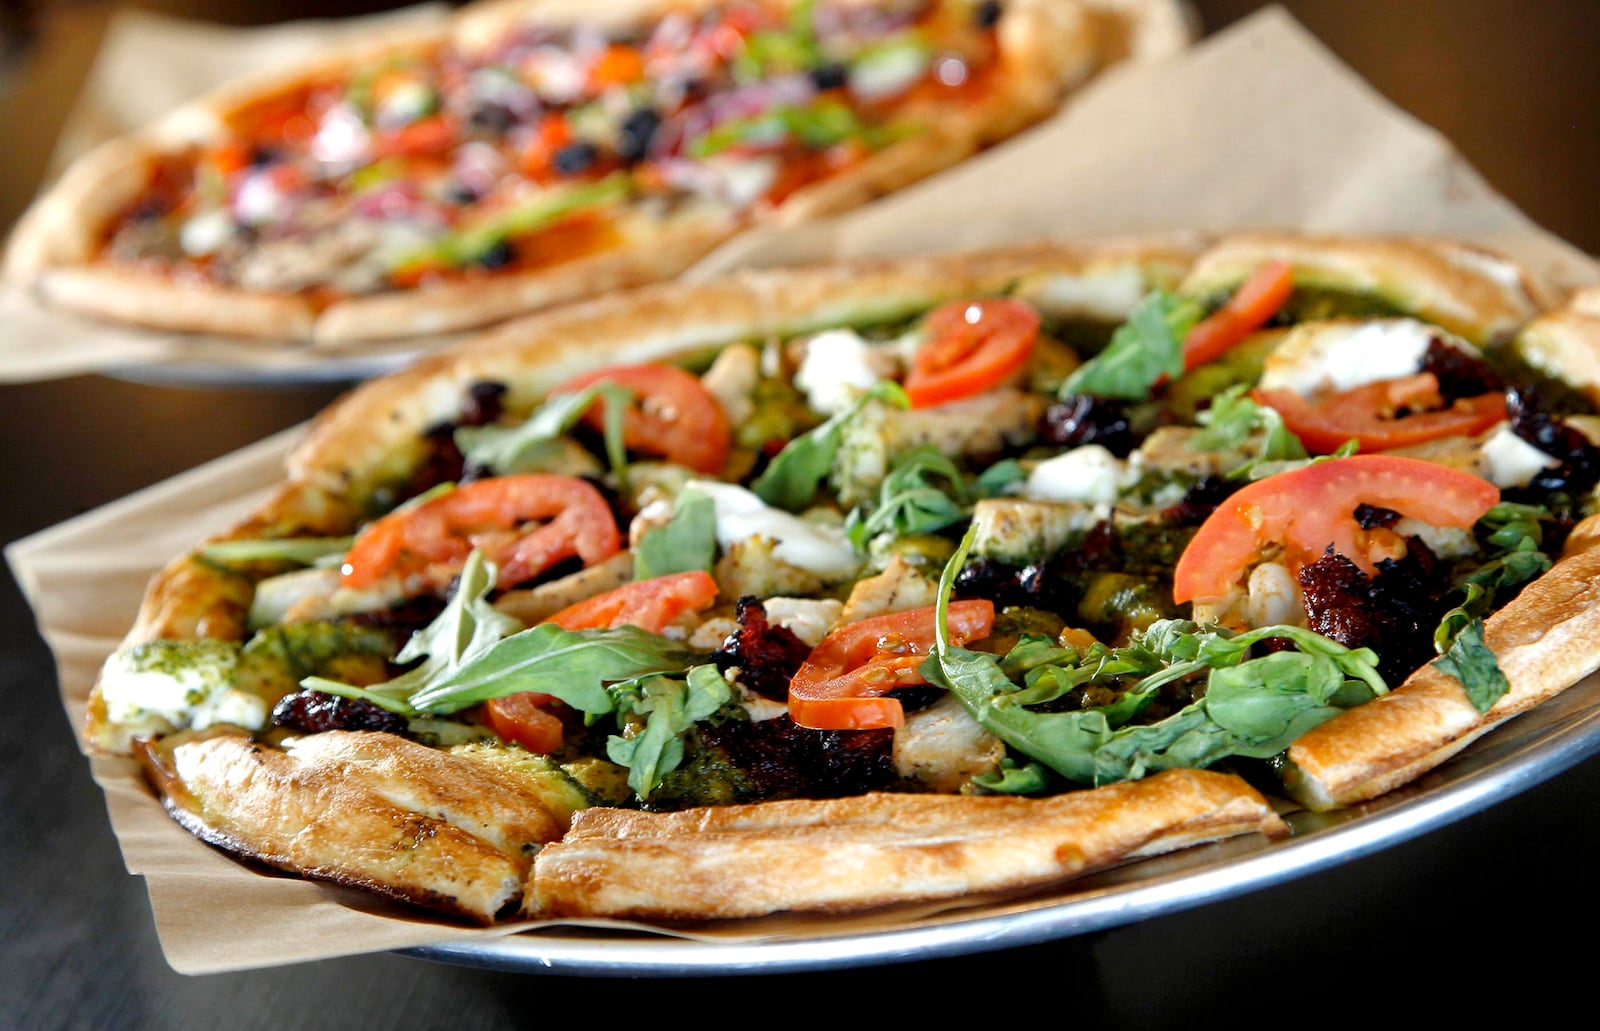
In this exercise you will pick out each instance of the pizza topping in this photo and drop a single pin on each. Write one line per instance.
(416, 164)
(313, 712)
(839, 366)
(1250, 308)
(651, 604)
(969, 347)
(810, 546)
(1303, 513)
(424, 546)
(765, 654)
(1089, 474)
(842, 683)
(672, 415)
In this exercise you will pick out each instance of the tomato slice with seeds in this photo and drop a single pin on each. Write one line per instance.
(1380, 416)
(672, 415)
(1305, 511)
(1250, 308)
(524, 524)
(969, 347)
(648, 604)
(839, 684)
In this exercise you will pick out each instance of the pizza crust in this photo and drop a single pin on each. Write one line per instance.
(875, 850)
(372, 437)
(1048, 47)
(367, 810)
(1466, 289)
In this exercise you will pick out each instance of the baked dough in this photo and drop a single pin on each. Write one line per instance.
(875, 850)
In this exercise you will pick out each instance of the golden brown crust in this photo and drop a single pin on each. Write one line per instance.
(1466, 289)
(1544, 641)
(875, 850)
(1047, 47)
(371, 437)
(371, 811)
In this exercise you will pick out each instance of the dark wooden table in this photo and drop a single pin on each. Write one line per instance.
(1495, 907)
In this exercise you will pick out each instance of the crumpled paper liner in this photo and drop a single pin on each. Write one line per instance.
(122, 94)
(1312, 146)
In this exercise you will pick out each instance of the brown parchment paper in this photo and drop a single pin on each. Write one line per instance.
(1129, 156)
(150, 64)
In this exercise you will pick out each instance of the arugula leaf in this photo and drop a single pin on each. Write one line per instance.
(1515, 532)
(466, 628)
(670, 707)
(923, 492)
(572, 665)
(1143, 351)
(1471, 662)
(525, 447)
(790, 480)
(685, 543)
(1234, 419)
(1014, 778)
(1250, 707)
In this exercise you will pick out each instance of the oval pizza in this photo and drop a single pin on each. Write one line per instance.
(864, 583)
(532, 152)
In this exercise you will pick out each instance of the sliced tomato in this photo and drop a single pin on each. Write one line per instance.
(838, 685)
(616, 65)
(1305, 511)
(523, 718)
(524, 524)
(969, 347)
(647, 604)
(434, 134)
(1369, 414)
(1250, 308)
(672, 415)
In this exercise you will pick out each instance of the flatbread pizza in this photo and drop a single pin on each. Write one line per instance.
(875, 582)
(532, 152)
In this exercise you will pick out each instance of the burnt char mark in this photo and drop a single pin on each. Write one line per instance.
(313, 712)
(1460, 374)
(1393, 613)
(767, 656)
